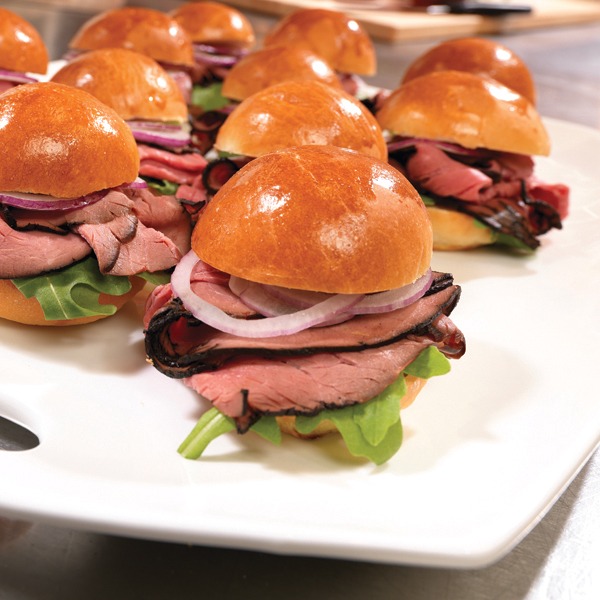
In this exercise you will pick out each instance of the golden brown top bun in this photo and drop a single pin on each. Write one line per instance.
(479, 56)
(317, 218)
(215, 23)
(63, 142)
(132, 84)
(266, 67)
(337, 38)
(298, 113)
(144, 30)
(21, 46)
(460, 107)
(28, 311)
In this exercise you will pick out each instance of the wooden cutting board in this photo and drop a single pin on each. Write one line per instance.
(396, 26)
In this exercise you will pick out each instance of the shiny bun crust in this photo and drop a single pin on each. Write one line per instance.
(132, 84)
(144, 30)
(269, 66)
(27, 311)
(317, 218)
(287, 423)
(456, 231)
(480, 56)
(63, 142)
(299, 113)
(337, 38)
(21, 46)
(215, 23)
(460, 107)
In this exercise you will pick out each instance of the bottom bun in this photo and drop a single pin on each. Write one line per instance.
(287, 423)
(456, 231)
(15, 307)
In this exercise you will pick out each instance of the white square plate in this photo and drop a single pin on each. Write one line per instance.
(487, 448)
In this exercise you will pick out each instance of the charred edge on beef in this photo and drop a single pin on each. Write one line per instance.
(160, 348)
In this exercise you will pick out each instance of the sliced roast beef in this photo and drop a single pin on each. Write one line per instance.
(496, 188)
(165, 214)
(29, 253)
(247, 387)
(179, 345)
(433, 170)
(129, 231)
(179, 168)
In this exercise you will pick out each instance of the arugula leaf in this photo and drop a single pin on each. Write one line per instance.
(209, 97)
(156, 278)
(74, 291)
(214, 423)
(430, 363)
(162, 186)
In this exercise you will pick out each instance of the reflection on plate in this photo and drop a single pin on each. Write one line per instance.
(487, 448)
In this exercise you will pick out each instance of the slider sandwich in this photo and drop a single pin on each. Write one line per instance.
(79, 232)
(147, 98)
(220, 35)
(307, 304)
(467, 143)
(23, 54)
(289, 114)
(144, 30)
(480, 56)
(337, 38)
(255, 72)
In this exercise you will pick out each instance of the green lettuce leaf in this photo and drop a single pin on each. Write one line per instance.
(156, 278)
(209, 97)
(371, 430)
(162, 186)
(74, 291)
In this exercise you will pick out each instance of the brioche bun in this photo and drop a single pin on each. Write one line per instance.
(21, 46)
(299, 113)
(287, 423)
(453, 230)
(337, 38)
(215, 23)
(317, 218)
(145, 30)
(480, 56)
(132, 84)
(16, 307)
(269, 66)
(63, 142)
(460, 107)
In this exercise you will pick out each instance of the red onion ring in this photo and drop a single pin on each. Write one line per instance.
(394, 299)
(267, 327)
(164, 134)
(16, 76)
(44, 202)
(257, 297)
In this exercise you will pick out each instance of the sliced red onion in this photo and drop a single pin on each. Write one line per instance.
(16, 76)
(228, 49)
(163, 134)
(257, 297)
(296, 298)
(215, 60)
(137, 184)
(266, 327)
(394, 299)
(43, 202)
